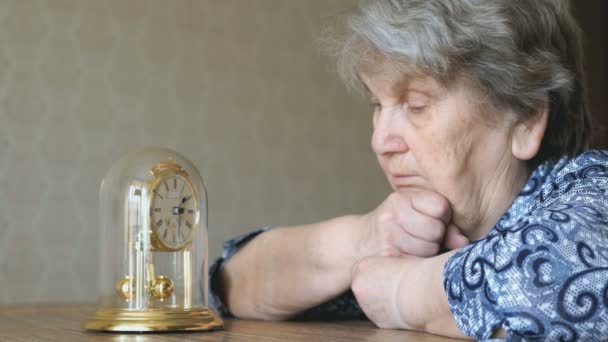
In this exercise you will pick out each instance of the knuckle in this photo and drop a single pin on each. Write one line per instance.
(432, 204)
(421, 248)
(428, 250)
(436, 231)
(442, 204)
(430, 229)
(357, 287)
(412, 245)
(433, 249)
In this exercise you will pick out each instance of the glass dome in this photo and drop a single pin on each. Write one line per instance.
(153, 246)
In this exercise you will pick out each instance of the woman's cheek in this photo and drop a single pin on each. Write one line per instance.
(456, 135)
(459, 146)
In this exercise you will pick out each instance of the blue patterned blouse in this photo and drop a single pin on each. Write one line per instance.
(541, 273)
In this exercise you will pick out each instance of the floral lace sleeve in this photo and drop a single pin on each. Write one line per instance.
(342, 307)
(544, 278)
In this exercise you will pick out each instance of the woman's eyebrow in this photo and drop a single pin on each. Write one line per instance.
(399, 86)
(420, 89)
(403, 87)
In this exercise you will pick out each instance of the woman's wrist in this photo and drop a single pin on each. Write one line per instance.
(421, 299)
(334, 248)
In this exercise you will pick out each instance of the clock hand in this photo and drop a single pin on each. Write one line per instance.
(179, 224)
(179, 214)
(184, 200)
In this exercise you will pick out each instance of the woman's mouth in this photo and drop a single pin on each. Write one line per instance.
(399, 179)
(404, 180)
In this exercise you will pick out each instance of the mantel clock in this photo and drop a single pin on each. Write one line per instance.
(153, 246)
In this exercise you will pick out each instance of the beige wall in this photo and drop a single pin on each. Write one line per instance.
(237, 86)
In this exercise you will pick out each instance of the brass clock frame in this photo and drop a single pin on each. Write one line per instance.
(180, 318)
(161, 172)
(155, 320)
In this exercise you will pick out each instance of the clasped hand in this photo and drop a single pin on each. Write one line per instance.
(406, 226)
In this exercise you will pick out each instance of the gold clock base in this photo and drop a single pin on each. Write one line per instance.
(155, 320)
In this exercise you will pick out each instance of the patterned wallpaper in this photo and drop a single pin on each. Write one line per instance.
(237, 86)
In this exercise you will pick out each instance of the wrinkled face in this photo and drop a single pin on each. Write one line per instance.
(441, 139)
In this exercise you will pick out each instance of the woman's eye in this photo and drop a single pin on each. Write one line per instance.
(416, 109)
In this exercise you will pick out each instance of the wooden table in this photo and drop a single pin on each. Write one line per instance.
(64, 323)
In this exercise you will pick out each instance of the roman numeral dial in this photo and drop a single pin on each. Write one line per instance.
(173, 211)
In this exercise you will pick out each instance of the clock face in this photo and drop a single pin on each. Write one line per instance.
(173, 211)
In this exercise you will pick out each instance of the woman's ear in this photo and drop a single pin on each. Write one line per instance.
(528, 134)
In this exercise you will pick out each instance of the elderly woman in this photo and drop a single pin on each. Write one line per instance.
(480, 124)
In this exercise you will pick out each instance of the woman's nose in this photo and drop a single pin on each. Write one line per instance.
(388, 136)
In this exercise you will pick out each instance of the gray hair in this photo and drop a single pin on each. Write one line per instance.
(520, 54)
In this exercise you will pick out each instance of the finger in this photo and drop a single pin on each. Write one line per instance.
(422, 226)
(411, 245)
(454, 238)
(432, 204)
